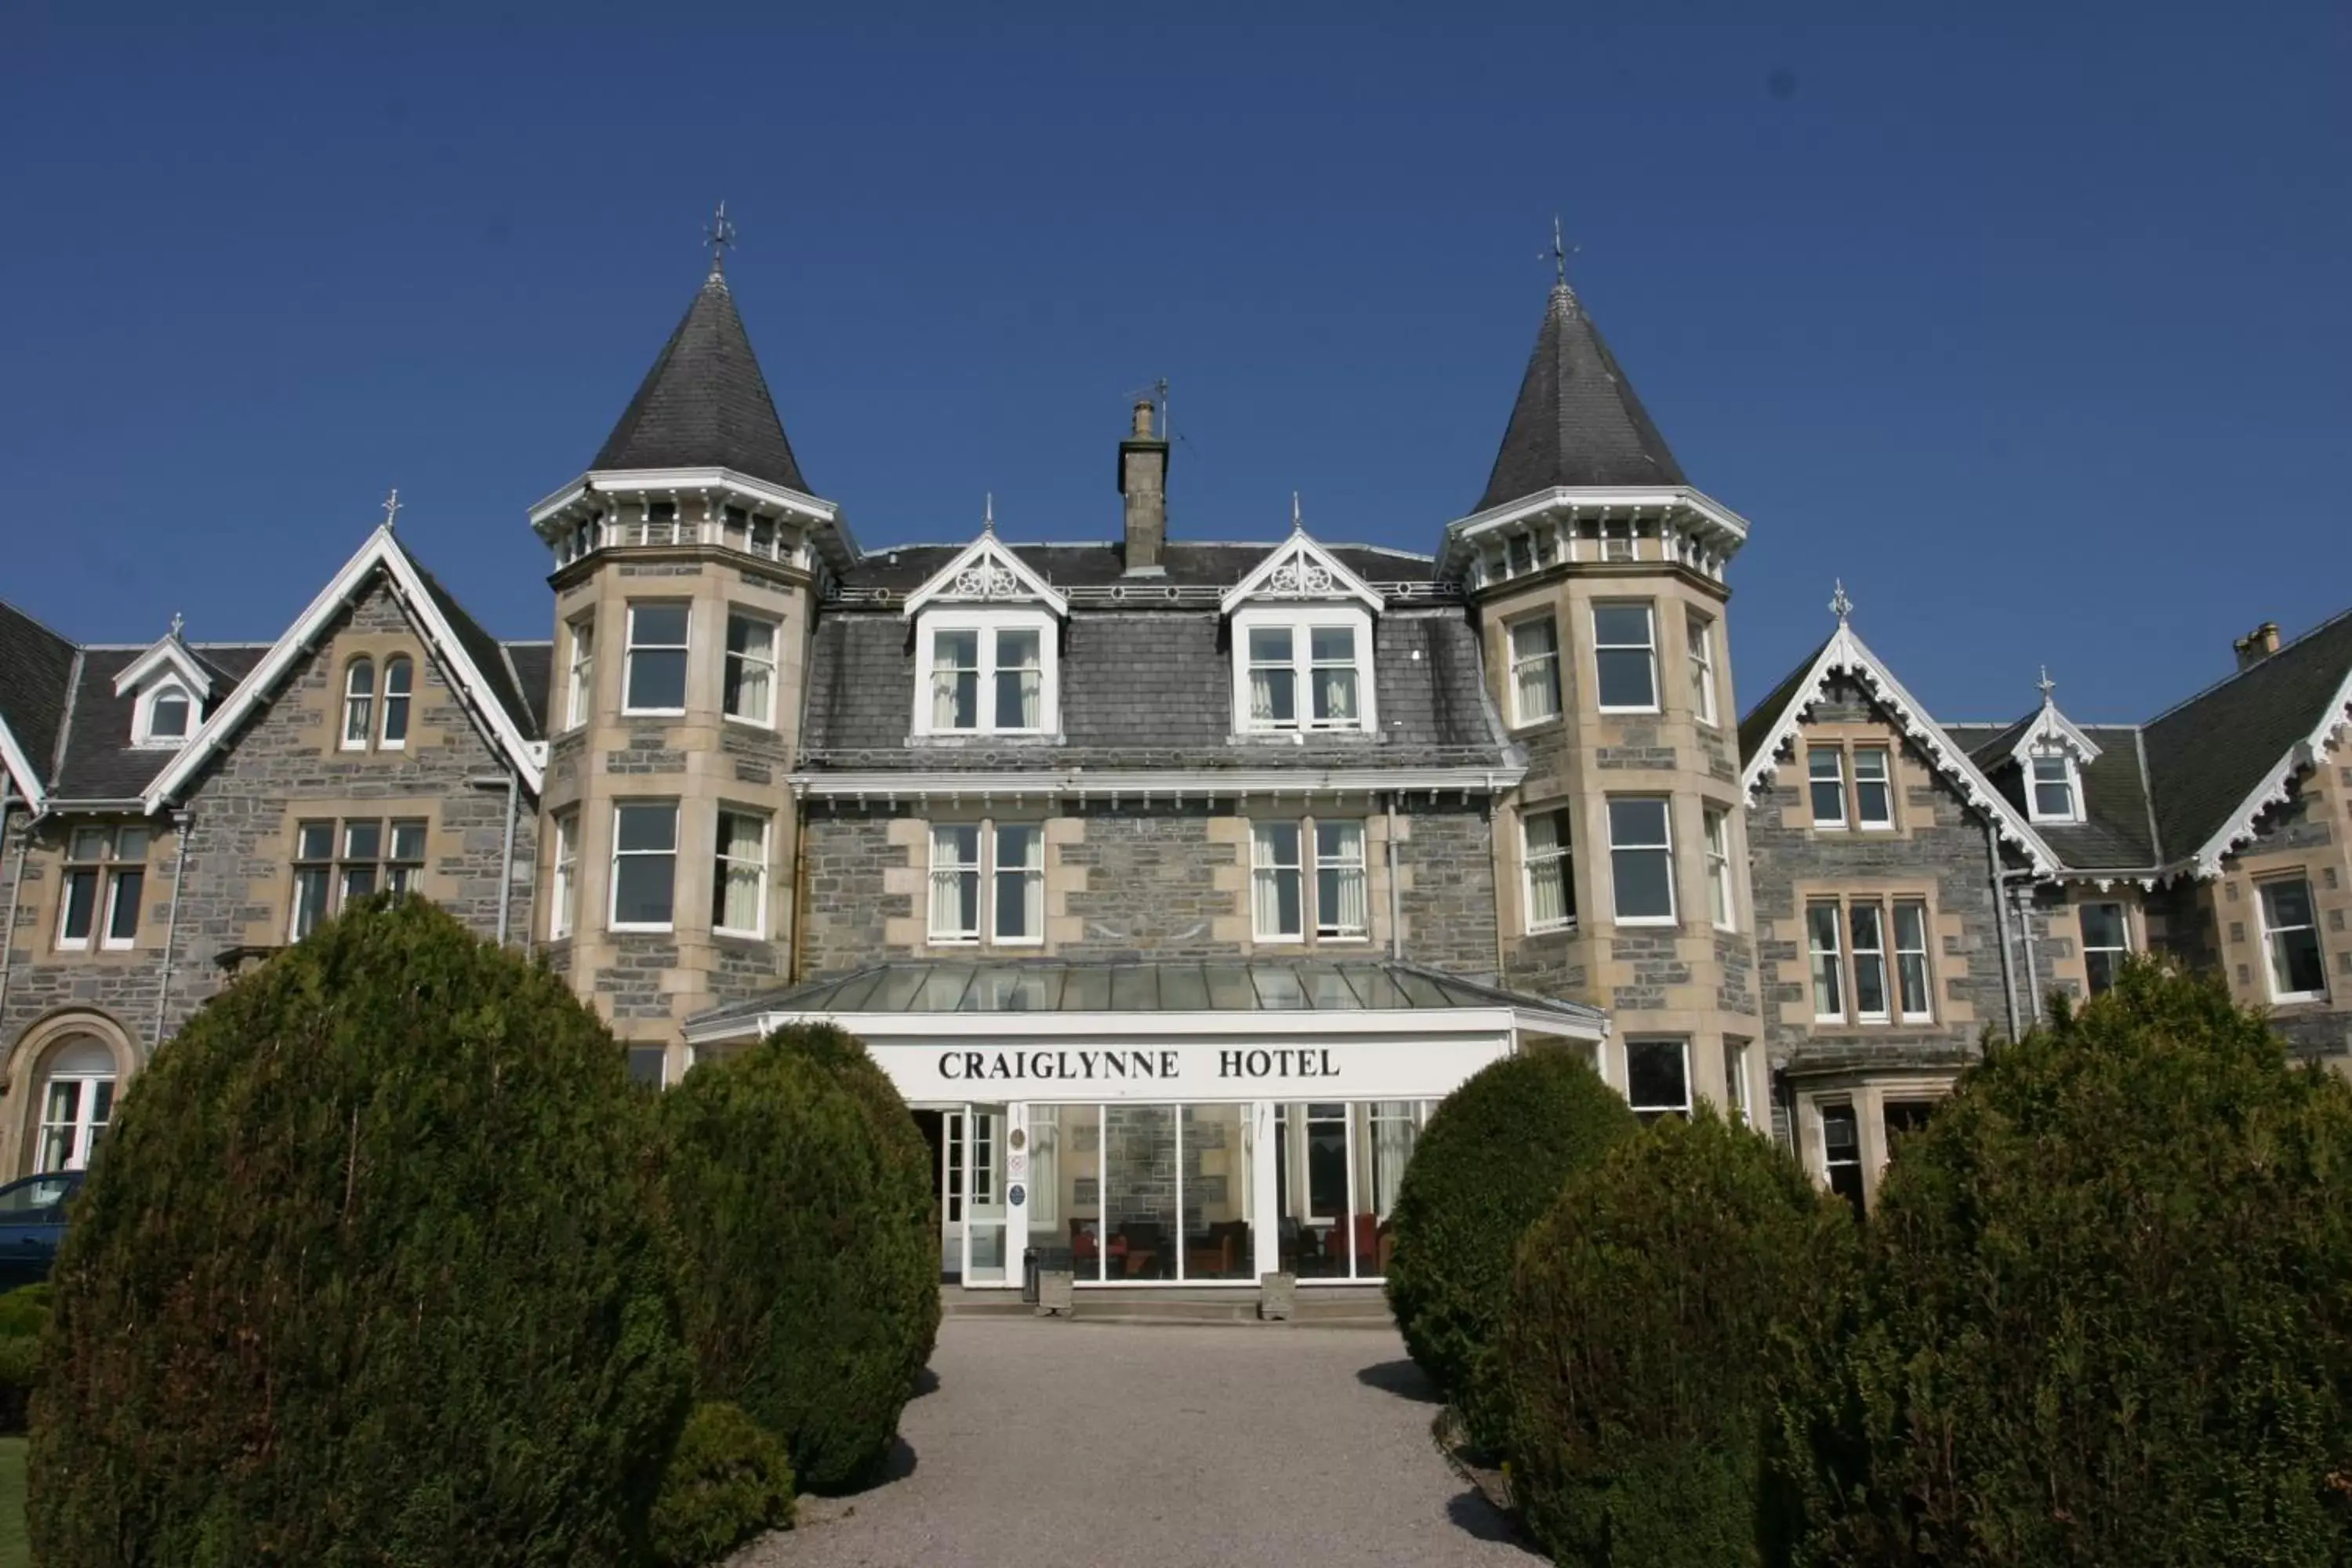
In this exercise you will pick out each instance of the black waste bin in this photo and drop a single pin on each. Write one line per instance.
(1036, 1260)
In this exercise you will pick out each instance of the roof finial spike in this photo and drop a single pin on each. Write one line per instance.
(391, 509)
(1839, 605)
(718, 236)
(1296, 525)
(2045, 686)
(178, 621)
(988, 512)
(1561, 252)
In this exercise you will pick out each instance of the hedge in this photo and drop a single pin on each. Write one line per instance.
(1492, 1159)
(2106, 1310)
(801, 1193)
(728, 1481)
(1634, 1356)
(366, 1273)
(24, 1317)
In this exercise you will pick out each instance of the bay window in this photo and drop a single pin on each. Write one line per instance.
(1699, 632)
(654, 676)
(1625, 657)
(748, 684)
(738, 875)
(1549, 865)
(645, 866)
(563, 897)
(1641, 858)
(1722, 899)
(581, 696)
(1657, 1078)
(1535, 670)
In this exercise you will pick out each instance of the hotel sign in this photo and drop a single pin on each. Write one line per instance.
(1206, 1069)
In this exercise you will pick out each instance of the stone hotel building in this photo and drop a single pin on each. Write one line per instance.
(1174, 881)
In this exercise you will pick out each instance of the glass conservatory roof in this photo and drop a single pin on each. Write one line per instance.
(1046, 986)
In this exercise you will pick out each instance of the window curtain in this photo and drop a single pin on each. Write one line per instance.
(1338, 695)
(1392, 1139)
(1262, 692)
(754, 666)
(1537, 655)
(955, 881)
(1339, 848)
(943, 684)
(1045, 1167)
(1276, 860)
(743, 857)
(1547, 870)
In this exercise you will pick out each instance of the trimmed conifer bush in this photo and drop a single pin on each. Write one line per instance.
(24, 1317)
(2106, 1307)
(365, 1273)
(728, 1481)
(1634, 1356)
(1493, 1158)
(802, 1195)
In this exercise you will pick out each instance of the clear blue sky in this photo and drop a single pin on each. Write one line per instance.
(2030, 323)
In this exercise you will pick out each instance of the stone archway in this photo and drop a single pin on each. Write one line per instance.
(63, 1078)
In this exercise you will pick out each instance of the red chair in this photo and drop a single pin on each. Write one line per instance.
(1369, 1258)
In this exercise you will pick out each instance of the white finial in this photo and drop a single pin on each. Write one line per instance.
(988, 513)
(178, 620)
(1839, 605)
(2045, 686)
(1295, 525)
(718, 236)
(392, 507)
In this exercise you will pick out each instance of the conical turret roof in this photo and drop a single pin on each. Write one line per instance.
(705, 404)
(1577, 422)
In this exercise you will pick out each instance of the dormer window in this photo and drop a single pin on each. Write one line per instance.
(168, 685)
(986, 672)
(1304, 672)
(2055, 791)
(166, 716)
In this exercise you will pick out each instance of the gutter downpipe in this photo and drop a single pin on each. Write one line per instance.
(15, 884)
(2025, 930)
(506, 860)
(187, 825)
(2000, 917)
(1396, 895)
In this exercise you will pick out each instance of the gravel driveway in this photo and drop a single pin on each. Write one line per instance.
(1147, 1446)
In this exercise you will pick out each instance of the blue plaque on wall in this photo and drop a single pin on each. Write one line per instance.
(1017, 1194)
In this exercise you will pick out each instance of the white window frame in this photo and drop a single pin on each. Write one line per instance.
(1649, 609)
(1737, 1092)
(1856, 952)
(406, 697)
(1835, 953)
(1522, 664)
(563, 892)
(1261, 869)
(995, 872)
(1814, 752)
(106, 870)
(729, 659)
(1699, 634)
(631, 647)
(1884, 781)
(1723, 893)
(2123, 919)
(1302, 624)
(720, 861)
(1674, 896)
(1563, 855)
(613, 871)
(1328, 929)
(1652, 1112)
(2074, 785)
(142, 726)
(580, 700)
(1925, 952)
(2262, 923)
(86, 1127)
(988, 623)
(976, 867)
(358, 705)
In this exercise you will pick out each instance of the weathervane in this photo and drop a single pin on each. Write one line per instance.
(392, 507)
(2045, 686)
(718, 236)
(178, 620)
(1839, 605)
(1561, 252)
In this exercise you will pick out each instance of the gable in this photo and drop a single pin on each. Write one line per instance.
(1298, 569)
(986, 572)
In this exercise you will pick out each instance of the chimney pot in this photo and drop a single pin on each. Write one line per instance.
(2257, 645)
(1142, 431)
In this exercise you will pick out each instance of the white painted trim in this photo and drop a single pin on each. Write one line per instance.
(1210, 783)
(613, 864)
(943, 586)
(640, 482)
(719, 862)
(2033, 812)
(1846, 654)
(2266, 930)
(143, 716)
(382, 551)
(2051, 727)
(1649, 607)
(776, 664)
(1441, 1025)
(2277, 785)
(1301, 621)
(1674, 871)
(989, 623)
(171, 653)
(20, 771)
(1300, 547)
(1464, 534)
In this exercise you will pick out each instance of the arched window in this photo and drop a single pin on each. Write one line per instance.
(396, 673)
(359, 704)
(77, 1101)
(168, 714)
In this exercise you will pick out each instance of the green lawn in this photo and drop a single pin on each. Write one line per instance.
(14, 1551)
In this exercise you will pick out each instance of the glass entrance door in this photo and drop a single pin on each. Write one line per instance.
(976, 1137)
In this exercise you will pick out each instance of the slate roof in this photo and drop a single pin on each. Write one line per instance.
(1150, 689)
(705, 404)
(1757, 728)
(2208, 754)
(485, 651)
(532, 667)
(35, 672)
(99, 761)
(1187, 564)
(1577, 421)
(2117, 831)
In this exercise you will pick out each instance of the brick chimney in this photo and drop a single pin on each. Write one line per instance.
(2257, 645)
(1143, 480)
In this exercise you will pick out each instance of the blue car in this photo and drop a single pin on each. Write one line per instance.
(32, 1222)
